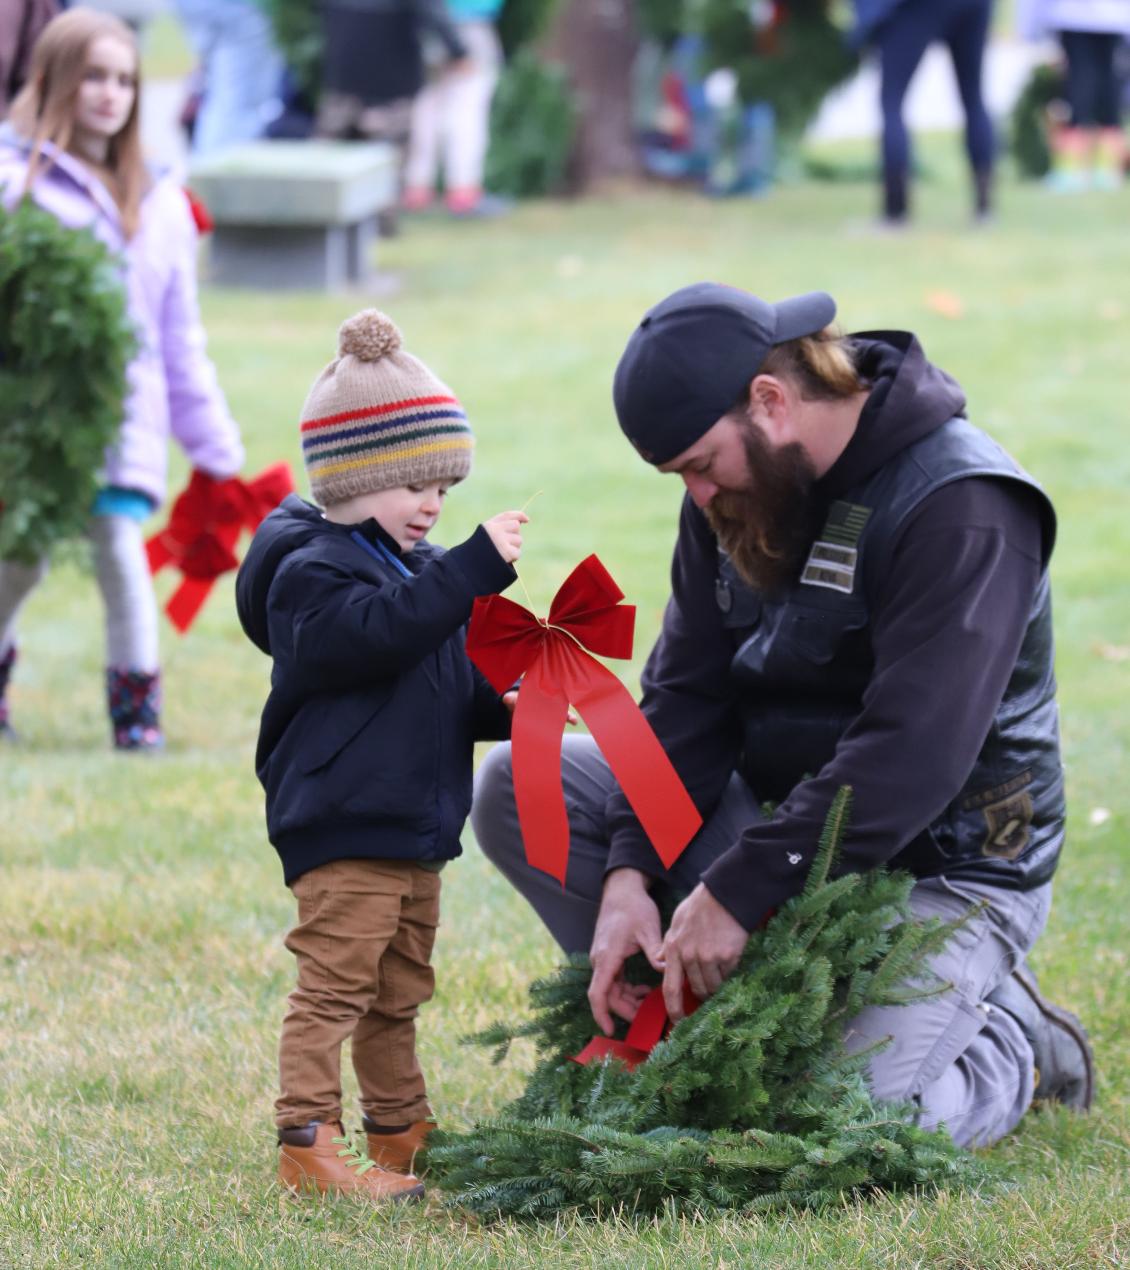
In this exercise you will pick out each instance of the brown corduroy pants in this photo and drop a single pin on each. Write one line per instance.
(363, 943)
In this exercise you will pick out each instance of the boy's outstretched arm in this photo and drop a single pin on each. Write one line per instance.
(342, 630)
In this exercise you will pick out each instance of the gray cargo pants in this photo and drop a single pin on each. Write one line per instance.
(965, 1064)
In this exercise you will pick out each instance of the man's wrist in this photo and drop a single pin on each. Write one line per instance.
(622, 880)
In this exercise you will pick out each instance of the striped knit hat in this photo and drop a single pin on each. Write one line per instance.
(376, 418)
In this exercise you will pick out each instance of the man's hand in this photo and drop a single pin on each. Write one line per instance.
(704, 943)
(628, 922)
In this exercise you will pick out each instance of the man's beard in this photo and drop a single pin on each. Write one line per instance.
(767, 529)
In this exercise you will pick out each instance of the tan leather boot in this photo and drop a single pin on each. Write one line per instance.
(319, 1157)
(397, 1151)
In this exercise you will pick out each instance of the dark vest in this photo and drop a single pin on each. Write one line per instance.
(803, 661)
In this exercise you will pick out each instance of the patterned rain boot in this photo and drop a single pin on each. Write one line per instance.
(1110, 159)
(397, 1150)
(135, 705)
(6, 664)
(1071, 161)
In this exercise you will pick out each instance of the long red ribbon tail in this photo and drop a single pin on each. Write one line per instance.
(539, 720)
(187, 601)
(641, 766)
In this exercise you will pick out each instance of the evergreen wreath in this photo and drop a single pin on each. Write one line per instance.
(1031, 146)
(752, 1102)
(792, 60)
(789, 53)
(66, 340)
(533, 121)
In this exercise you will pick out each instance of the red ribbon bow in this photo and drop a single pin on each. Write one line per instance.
(506, 641)
(647, 1029)
(203, 529)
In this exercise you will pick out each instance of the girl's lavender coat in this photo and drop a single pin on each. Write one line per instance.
(172, 382)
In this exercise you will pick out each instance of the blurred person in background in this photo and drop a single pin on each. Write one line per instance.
(374, 64)
(241, 70)
(73, 146)
(20, 24)
(1089, 150)
(451, 120)
(902, 31)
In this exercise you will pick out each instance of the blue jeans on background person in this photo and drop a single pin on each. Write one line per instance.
(242, 70)
(902, 41)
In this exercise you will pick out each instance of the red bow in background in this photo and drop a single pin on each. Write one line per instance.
(506, 641)
(203, 529)
(201, 216)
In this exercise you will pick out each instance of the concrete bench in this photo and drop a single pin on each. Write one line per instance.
(295, 214)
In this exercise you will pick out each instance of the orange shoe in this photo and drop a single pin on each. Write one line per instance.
(319, 1157)
(397, 1151)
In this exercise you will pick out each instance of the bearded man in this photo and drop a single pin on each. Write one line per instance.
(859, 597)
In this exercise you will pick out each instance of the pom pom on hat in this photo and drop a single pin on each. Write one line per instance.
(368, 336)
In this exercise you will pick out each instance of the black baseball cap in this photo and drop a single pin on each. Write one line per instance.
(694, 354)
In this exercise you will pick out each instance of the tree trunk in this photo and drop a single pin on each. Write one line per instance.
(596, 40)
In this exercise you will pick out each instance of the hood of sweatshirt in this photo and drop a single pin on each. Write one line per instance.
(910, 397)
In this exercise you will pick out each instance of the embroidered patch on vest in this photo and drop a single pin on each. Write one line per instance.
(1007, 810)
(834, 555)
(1008, 823)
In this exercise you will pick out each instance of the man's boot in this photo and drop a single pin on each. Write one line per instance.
(397, 1150)
(319, 1157)
(1065, 1065)
(134, 700)
(6, 664)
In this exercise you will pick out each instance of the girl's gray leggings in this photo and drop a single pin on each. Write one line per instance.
(125, 584)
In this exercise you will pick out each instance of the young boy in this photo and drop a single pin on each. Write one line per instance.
(366, 740)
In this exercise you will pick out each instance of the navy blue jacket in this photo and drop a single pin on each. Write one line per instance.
(366, 740)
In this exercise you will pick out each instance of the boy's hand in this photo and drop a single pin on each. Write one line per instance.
(505, 531)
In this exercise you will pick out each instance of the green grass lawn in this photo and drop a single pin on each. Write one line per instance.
(142, 910)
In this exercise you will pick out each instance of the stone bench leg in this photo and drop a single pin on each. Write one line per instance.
(315, 258)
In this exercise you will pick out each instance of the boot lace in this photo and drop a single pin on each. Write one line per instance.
(354, 1158)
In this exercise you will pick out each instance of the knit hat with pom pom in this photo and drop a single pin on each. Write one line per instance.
(376, 418)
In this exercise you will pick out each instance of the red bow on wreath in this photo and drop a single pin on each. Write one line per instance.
(506, 641)
(647, 1029)
(203, 529)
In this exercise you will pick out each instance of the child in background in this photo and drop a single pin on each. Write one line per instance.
(366, 741)
(1089, 149)
(73, 145)
(451, 120)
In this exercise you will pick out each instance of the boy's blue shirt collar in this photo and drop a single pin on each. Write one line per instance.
(372, 531)
(373, 538)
